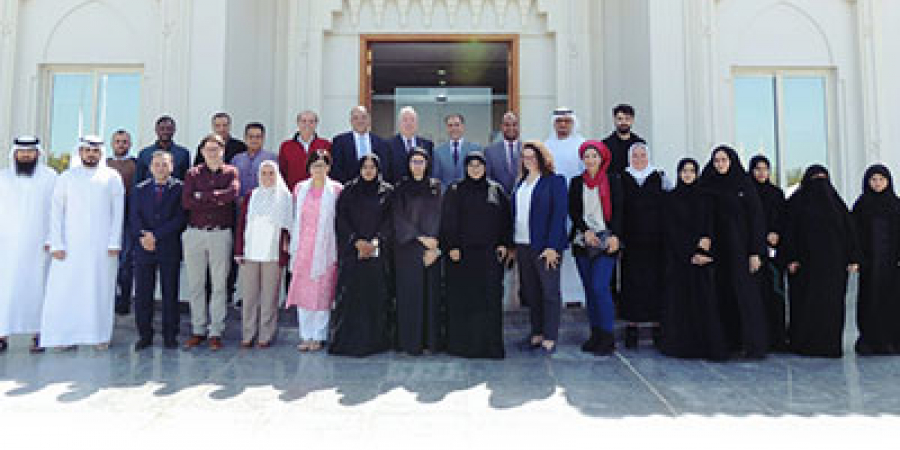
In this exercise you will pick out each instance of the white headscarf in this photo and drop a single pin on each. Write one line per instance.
(33, 143)
(566, 159)
(272, 203)
(87, 141)
(640, 175)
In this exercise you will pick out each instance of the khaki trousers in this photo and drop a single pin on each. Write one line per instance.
(260, 282)
(210, 249)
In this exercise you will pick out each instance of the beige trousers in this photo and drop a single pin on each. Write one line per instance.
(204, 249)
(260, 282)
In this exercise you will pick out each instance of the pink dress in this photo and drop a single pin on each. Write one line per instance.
(308, 293)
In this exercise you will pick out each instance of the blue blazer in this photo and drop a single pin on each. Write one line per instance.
(345, 165)
(165, 219)
(547, 217)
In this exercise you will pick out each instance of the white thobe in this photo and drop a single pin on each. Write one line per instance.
(86, 222)
(23, 260)
(568, 163)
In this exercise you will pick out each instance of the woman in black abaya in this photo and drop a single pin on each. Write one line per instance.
(359, 322)
(739, 230)
(476, 235)
(416, 211)
(771, 275)
(876, 216)
(691, 320)
(821, 248)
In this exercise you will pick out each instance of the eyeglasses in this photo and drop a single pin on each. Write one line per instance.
(418, 162)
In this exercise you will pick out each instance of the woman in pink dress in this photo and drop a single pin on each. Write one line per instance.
(314, 252)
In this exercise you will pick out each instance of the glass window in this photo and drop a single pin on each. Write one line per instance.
(783, 115)
(91, 101)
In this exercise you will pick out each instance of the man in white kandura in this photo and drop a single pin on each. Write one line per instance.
(563, 143)
(26, 187)
(85, 240)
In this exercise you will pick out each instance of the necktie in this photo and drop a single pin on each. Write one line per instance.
(363, 146)
(159, 192)
(455, 153)
(409, 145)
(509, 156)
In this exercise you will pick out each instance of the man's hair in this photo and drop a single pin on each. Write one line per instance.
(407, 110)
(122, 131)
(255, 125)
(221, 115)
(509, 114)
(161, 154)
(303, 113)
(623, 108)
(214, 138)
(459, 116)
(164, 119)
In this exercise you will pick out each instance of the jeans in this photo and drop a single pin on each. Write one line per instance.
(595, 275)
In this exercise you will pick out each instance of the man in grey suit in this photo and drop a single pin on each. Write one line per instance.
(503, 156)
(449, 157)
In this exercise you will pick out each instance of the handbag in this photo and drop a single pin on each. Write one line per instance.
(593, 252)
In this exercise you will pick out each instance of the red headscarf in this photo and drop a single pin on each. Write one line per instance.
(599, 181)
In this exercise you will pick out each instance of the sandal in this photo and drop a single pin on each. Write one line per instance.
(304, 346)
(36, 345)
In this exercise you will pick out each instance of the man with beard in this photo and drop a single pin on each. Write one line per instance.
(26, 188)
(126, 166)
(622, 139)
(85, 241)
(221, 126)
(563, 142)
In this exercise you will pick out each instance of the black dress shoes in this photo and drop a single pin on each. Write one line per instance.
(142, 344)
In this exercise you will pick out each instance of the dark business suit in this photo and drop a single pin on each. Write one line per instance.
(345, 155)
(498, 169)
(157, 209)
(399, 165)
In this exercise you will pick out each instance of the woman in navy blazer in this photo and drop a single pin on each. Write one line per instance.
(539, 205)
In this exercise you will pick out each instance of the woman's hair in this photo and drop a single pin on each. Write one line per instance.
(316, 156)
(542, 155)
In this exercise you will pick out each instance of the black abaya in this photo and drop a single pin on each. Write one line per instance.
(417, 212)
(359, 321)
(475, 220)
(820, 236)
(770, 276)
(642, 266)
(691, 321)
(877, 220)
(739, 230)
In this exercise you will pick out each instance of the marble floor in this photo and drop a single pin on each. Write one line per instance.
(236, 396)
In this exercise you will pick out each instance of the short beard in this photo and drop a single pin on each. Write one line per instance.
(26, 168)
(89, 164)
(623, 129)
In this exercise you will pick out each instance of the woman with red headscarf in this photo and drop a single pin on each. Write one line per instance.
(594, 209)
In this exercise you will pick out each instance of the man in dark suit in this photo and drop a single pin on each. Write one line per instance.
(403, 142)
(347, 148)
(156, 221)
(503, 157)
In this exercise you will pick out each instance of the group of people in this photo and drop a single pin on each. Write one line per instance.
(398, 244)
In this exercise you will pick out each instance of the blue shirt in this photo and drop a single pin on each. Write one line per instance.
(248, 168)
(181, 162)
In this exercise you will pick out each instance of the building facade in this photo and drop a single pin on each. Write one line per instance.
(800, 80)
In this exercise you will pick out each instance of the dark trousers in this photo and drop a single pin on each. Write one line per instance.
(539, 288)
(125, 275)
(145, 286)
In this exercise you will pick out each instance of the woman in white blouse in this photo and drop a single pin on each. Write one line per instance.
(261, 251)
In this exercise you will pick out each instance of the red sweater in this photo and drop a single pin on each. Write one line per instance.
(292, 158)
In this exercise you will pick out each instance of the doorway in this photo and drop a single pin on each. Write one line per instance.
(476, 76)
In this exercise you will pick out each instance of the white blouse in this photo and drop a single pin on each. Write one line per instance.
(523, 211)
(593, 209)
(261, 239)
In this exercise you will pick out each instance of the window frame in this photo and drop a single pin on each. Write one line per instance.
(778, 74)
(96, 71)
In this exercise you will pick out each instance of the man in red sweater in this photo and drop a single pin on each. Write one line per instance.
(293, 152)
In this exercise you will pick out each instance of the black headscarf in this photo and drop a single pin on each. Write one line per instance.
(681, 164)
(755, 161)
(817, 194)
(875, 203)
(469, 181)
(409, 182)
(364, 186)
(732, 181)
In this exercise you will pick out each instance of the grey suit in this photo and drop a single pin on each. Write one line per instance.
(498, 169)
(444, 168)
